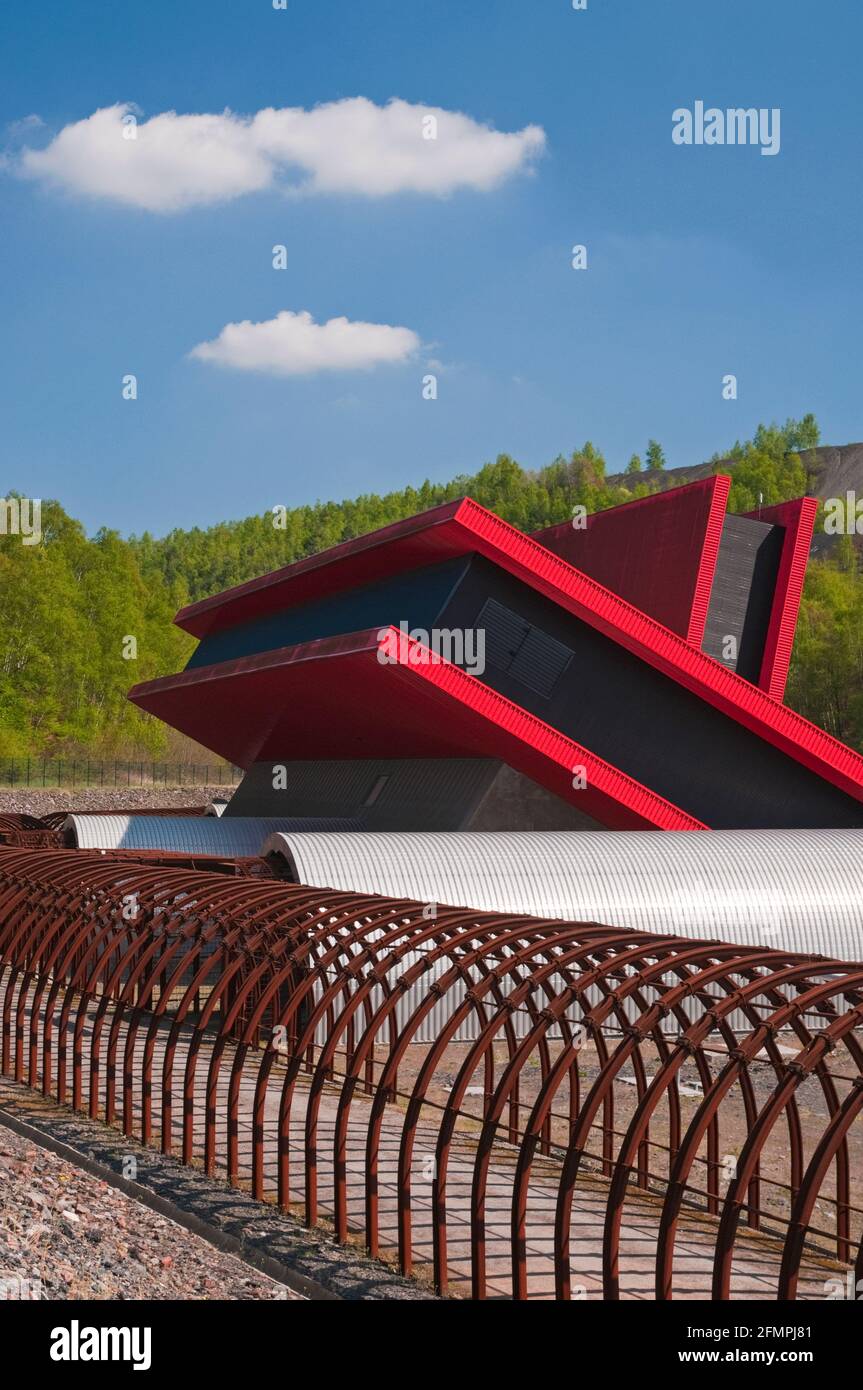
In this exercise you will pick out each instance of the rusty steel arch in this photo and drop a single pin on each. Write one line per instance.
(306, 1043)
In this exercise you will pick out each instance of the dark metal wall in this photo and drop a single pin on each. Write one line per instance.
(408, 794)
(647, 724)
(382, 793)
(742, 595)
(415, 596)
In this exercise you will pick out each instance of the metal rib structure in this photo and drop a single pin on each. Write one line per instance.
(623, 1141)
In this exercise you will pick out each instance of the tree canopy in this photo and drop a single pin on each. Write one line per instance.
(69, 605)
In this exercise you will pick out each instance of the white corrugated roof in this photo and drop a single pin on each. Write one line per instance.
(799, 890)
(229, 835)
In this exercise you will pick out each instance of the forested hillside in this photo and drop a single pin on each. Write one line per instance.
(69, 605)
(772, 464)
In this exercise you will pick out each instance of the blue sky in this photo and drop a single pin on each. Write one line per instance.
(701, 261)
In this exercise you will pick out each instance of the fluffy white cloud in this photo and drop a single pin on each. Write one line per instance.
(295, 345)
(352, 146)
(174, 162)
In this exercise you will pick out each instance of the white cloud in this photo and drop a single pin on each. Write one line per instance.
(295, 345)
(351, 146)
(24, 126)
(174, 162)
(15, 134)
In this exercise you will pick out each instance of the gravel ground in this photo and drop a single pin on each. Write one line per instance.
(38, 802)
(72, 1236)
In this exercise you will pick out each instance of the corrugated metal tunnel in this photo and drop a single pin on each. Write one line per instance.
(799, 890)
(206, 834)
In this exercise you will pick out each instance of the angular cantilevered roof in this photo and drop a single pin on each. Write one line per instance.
(381, 694)
(462, 527)
(356, 704)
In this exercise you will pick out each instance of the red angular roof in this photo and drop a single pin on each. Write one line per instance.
(462, 528)
(381, 694)
(659, 552)
(798, 519)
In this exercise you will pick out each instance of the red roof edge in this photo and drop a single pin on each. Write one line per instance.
(798, 519)
(195, 617)
(667, 652)
(709, 557)
(514, 735)
(541, 743)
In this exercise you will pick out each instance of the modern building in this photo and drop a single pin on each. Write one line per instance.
(450, 672)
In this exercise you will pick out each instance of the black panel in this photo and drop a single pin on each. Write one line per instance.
(742, 595)
(527, 653)
(649, 726)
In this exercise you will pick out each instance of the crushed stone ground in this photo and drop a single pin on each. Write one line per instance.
(65, 1234)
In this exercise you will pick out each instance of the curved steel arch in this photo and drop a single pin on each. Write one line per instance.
(288, 1015)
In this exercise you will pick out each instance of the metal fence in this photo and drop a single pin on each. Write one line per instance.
(95, 772)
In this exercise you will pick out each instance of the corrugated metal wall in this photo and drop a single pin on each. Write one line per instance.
(743, 590)
(187, 834)
(386, 793)
(797, 890)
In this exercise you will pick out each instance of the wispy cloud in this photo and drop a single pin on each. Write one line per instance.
(172, 162)
(24, 127)
(293, 344)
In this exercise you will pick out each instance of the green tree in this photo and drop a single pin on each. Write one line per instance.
(67, 605)
(826, 677)
(654, 458)
(768, 466)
